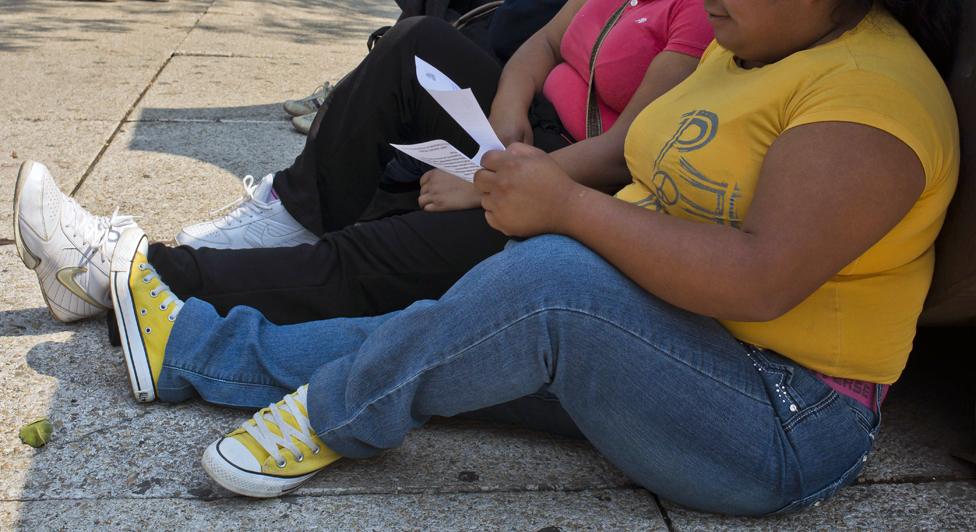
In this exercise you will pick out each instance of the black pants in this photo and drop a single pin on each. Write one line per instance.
(378, 266)
(370, 268)
(362, 270)
(334, 179)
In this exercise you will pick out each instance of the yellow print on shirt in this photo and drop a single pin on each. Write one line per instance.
(676, 183)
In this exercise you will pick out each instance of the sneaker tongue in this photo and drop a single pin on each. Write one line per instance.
(263, 192)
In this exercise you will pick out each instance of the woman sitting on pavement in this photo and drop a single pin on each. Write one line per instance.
(375, 267)
(708, 329)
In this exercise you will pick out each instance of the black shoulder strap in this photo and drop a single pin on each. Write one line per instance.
(594, 122)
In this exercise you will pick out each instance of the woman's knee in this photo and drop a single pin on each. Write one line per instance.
(548, 266)
(558, 257)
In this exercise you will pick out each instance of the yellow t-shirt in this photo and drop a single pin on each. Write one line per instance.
(696, 153)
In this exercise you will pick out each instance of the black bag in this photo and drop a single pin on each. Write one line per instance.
(515, 21)
(470, 17)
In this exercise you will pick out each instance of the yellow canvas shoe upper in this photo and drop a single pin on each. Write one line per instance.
(281, 440)
(156, 310)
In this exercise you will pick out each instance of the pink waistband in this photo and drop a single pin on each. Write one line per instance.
(861, 391)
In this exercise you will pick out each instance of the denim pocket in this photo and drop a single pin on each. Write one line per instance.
(795, 398)
(829, 435)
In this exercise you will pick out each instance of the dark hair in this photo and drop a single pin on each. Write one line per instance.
(933, 24)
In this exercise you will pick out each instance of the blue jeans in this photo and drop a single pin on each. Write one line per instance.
(670, 397)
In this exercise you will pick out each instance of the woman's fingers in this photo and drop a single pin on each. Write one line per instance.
(484, 179)
(494, 159)
(424, 200)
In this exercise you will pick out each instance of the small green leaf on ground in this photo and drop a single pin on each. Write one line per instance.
(37, 433)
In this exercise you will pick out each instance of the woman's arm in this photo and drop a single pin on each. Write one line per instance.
(826, 193)
(524, 75)
(598, 162)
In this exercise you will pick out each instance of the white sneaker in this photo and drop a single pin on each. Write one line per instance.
(68, 248)
(257, 221)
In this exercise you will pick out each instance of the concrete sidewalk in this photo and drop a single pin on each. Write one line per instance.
(161, 109)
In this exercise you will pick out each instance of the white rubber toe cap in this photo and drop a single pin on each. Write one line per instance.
(234, 452)
(232, 466)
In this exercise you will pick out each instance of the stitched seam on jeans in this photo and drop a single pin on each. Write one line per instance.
(665, 352)
(787, 372)
(217, 379)
(512, 324)
(541, 397)
(861, 420)
(826, 491)
(817, 407)
(175, 388)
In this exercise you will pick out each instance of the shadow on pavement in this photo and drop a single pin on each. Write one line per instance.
(30, 322)
(44, 18)
(97, 19)
(241, 140)
(265, 112)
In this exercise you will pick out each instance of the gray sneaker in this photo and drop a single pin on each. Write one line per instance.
(303, 123)
(310, 103)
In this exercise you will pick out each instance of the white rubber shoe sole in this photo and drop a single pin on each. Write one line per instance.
(136, 356)
(29, 259)
(63, 305)
(243, 482)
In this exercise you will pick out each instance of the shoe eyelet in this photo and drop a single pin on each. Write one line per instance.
(316, 450)
(142, 266)
(162, 307)
(300, 458)
(153, 293)
(145, 280)
(171, 318)
(143, 311)
(148, 330)
(281, 464)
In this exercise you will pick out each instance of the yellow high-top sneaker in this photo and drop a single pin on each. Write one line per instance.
(270, 454)
(145, 310)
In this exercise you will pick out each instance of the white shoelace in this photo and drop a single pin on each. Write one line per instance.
(98, 231)
(318, 97)
(163, 287)
(270, 442)
(244, 207)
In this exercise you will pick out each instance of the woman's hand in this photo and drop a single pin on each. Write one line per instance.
(441, 191)
(511, 125)
(525, 75)
(524, 192)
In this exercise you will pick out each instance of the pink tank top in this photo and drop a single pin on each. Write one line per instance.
(646, 28)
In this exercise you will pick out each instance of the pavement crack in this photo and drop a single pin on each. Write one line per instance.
(226, 495)
(225, 55)
(918, 479)
(664, 513)
(5, 241)
(135, 104)
(145, 412)
(86, 435)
